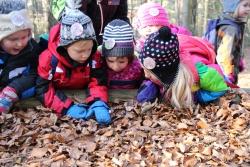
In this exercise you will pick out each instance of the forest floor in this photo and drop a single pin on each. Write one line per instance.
(217, 134)
(244, 77)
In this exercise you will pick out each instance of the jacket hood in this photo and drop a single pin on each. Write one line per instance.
(54, 39)
(229, 6)
(230, 16)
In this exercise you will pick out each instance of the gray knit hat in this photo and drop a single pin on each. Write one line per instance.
(13, 17)
(118, 39)
(75, 25)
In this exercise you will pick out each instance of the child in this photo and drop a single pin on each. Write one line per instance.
(150, 18)
(71, 62)
(124, 70)
(160, 59)
(229, 40)
(18, 54)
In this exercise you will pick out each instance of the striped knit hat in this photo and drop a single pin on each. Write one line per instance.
(118, 39)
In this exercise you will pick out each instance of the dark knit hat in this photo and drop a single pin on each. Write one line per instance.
(75, 25)
(160, 55)
(118, 39)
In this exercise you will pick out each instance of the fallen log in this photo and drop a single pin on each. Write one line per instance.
(115, 95)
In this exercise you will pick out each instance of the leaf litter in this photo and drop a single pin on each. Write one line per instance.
(217, 134)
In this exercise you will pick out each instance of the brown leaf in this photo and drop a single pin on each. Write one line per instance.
(109, 133)
(147, 122)
(124, 122)
(182, 126)
(207, 151)
(242, 152)
(57, 163)
(189, 161)
(35, 164)
(75, 153)
(209, 139)
(182, 147)
(246, 104)
(223, 112)
(239, 124)
(59, 157)
(38, 152)
(202, 124)
(117, 161)
(83, 163)
(90, 147)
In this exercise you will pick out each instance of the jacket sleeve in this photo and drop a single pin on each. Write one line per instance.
(97, 88)
(210, 79)
(212, 85)
(26, 82)
(122, 11)
(46, 92)
(227, 36)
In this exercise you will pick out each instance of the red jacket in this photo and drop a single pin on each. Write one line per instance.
(67, 76)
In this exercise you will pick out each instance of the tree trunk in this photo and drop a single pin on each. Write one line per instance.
(185, 13)
(205, 15)
(177, 9)
(189, 10)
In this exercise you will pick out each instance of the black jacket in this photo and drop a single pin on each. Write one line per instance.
(20, 71)
(111, 9)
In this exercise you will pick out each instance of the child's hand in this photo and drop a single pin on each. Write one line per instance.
(101, 111)
(7, 97)
(147, 92)
(78, 111)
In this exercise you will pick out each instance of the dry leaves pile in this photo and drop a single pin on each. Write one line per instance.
(149, 135)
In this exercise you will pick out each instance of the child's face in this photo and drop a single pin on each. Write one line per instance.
(16, 42)
(146, 31)
(80, 50)
(117, 64)
(244, 8)
(152, 77)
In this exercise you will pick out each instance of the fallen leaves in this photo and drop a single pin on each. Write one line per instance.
(154, 134)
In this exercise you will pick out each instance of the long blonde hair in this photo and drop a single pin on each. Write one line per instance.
(180, 92)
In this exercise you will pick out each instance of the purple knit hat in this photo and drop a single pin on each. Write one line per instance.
(151, 14)
(118, 39)
(160, 55)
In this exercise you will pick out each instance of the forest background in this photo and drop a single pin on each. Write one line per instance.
(193, 14)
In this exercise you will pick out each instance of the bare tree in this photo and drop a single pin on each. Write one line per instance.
(205, 14)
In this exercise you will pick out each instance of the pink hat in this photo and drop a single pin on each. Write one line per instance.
(151, 14)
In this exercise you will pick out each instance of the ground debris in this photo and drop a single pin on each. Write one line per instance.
(217, 134)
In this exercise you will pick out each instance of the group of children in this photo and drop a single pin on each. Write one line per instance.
(170, 64)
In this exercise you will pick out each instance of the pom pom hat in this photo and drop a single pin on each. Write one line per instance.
(151, 14)
(118, 39)
(13, 17)
(75, 25)
(160, 55)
